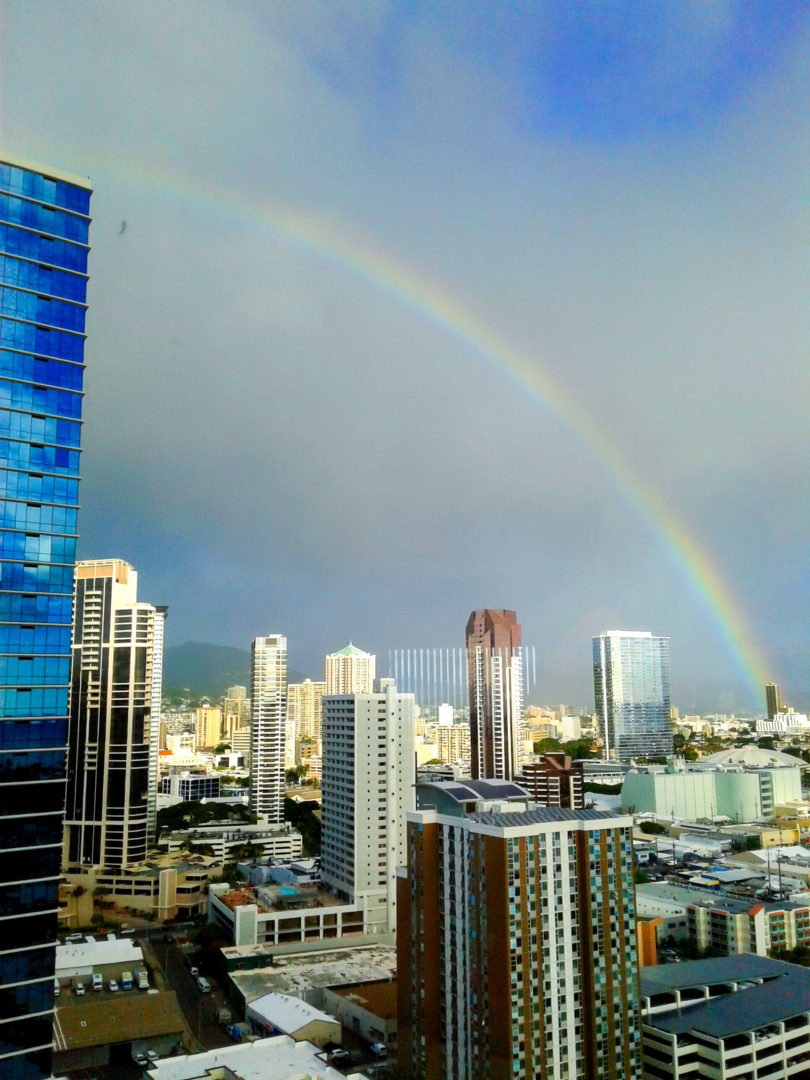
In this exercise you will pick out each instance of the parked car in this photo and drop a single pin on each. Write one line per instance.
(379, 1049)
(113, 985)
(78, 988)
(203, 985)
(56, 988)
(152, 1055)
(98, 982)
(140, 1059)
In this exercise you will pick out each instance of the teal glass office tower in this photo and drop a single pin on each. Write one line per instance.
(631, 689)
(43, 281)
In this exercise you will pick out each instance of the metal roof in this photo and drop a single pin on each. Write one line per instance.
(786, 995)
(467, 790)
(540, 815)
(689, 973)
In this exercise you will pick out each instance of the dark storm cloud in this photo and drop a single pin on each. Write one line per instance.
(276, 444)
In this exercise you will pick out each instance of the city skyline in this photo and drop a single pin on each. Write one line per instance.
(445, 253)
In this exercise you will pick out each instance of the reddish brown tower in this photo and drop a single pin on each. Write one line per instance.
(495, 681)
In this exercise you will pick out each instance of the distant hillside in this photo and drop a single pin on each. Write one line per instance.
(204, 668)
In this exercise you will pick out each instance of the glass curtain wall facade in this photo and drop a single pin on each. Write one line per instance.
(43, 280)
(632, 694)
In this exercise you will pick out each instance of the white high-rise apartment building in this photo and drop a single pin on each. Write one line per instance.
(115, 697)
(268, 692)
(367, 789)
(350, 671)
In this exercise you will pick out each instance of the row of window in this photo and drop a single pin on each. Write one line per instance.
(21, 1034)
(17, 304)
(39, 517)
(18, 545)
(62, 254)
(42, 578)
(38, 369)
(43, 279)
(39, 458)
(35, 639)
(36, 487)
(30, 734)
(38, 670)
(39, 863)
(19, 181)
(36, 701)
(40, 399)
(33, 215)
(35, 609)
(30, 896)
(50, 429)
(18, 832)
(29, 337)
(24, 966)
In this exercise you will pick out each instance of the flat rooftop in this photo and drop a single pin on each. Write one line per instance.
(379, 998)
(298, 973)
(277, 1058)
(89, 954)
(278, 897)
(691, 973)
(781, 997)
(83, 1022)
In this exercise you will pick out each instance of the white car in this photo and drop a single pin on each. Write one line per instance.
(140, 1059)
(153, 1057)
(379, 1049)
(113, 985)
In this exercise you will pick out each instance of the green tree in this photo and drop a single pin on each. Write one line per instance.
(580, 748)
(653, 828)
(548, 746)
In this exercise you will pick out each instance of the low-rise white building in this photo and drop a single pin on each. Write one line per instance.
(279, 1058)
(282, 1014)
(740, 789)
(225, 840)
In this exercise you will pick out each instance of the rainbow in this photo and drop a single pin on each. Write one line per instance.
(435, 303)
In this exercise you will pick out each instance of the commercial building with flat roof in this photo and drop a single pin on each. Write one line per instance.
(737, 1016)
(279, 1058)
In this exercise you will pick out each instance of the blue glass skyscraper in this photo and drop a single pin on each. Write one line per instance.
(631, 689)
(43, 281)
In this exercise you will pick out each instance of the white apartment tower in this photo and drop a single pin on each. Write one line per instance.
(367, 789)
(268, 683)
(115, 696)
(350, 671)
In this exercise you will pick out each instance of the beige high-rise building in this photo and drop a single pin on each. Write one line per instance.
(304, 709)
(235, 709)
(350, 671)
(207, 726)
(452, 742)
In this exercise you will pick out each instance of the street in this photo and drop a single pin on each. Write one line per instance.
(199, 1009)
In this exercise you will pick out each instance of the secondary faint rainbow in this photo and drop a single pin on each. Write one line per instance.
(435, 302)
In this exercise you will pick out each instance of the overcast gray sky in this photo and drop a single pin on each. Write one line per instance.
(281, 443)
